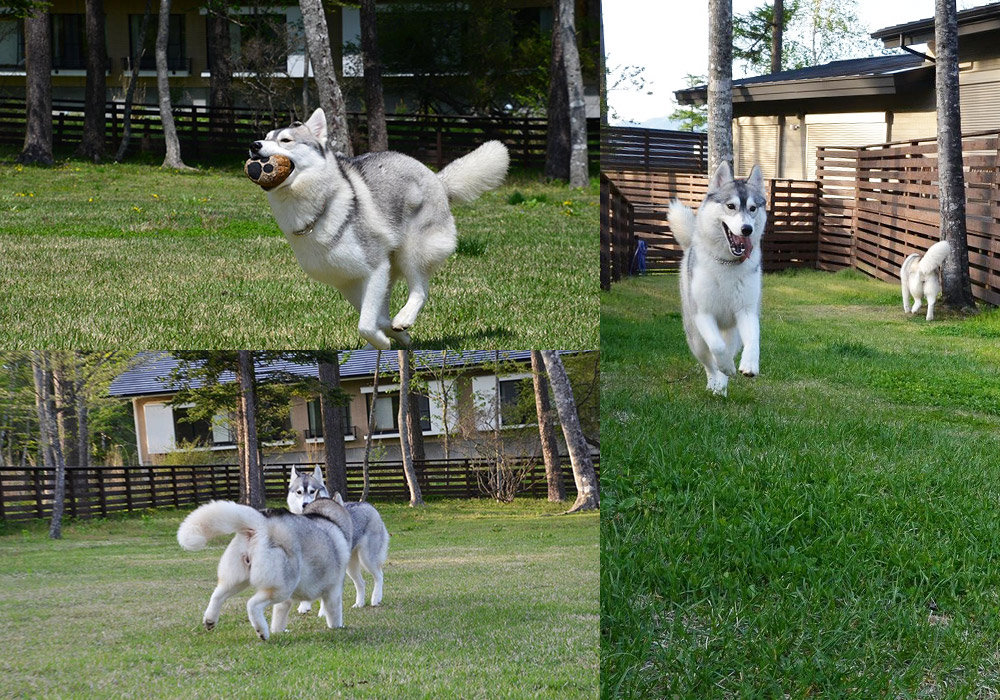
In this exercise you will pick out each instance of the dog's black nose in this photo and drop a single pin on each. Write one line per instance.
(746, 230)
(256, 146)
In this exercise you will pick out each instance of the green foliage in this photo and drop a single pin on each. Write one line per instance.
(692, 117)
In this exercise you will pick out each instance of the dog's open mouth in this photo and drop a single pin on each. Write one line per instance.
(739, 246)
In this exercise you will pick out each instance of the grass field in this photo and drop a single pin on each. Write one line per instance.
(830, 530)
(481, 601)
(94, 256)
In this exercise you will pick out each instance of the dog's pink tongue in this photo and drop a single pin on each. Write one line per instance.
(747, 247)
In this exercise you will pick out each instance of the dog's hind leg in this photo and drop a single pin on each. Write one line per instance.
(305, 607)
(931, 300)
(354, 571)
(374, 567)
(279, 616)
(222, 592)
(419, 285)
(234, 576)
(374, 303)
(255, 611)
(333, 604)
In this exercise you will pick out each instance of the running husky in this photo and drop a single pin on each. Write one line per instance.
(921, 277)
(369, 546)
(285, 557)
(721, 274)
(360, 224)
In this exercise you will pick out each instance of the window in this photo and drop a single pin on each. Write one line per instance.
(199, 432)
(387, 413)
(259, 43)
(222, 433)
(176, 52)
(11, 43)
(68, 42)
(315, 412)
(517, 402)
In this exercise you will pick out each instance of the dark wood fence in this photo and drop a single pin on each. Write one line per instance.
(651, 150)
(206, 132)
(26, 492)
(894, 206)
(789, 238)
(617, 233)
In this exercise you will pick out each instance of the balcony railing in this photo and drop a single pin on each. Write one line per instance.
(175, 64)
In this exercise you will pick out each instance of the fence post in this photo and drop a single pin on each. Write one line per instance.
(173, 485)
(71, 493)
(38, 495)
(152, 487)
(854, 211)
(101, 491)
(128, 489)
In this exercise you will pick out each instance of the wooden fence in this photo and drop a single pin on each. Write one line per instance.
(789, 238)
(206, 132)
(617, 233)
(652, 150)
(26, 492)
(893, 209)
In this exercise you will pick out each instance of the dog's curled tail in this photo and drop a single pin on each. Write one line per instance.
(934, 258)
(681, 220)
(217, 518)
(474, 173)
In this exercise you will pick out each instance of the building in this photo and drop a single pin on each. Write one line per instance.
(780, 118)
(458, 400)
(418, 40)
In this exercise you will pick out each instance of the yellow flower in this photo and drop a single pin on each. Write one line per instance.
(156, 196)
(134, 208)
(91, 199)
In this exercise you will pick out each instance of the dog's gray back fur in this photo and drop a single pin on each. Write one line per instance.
(367, 522)
(309, 535)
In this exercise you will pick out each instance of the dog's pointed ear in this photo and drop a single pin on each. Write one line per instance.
(756, 178)
(317, 125)
(723, 176)
(294, 476)
(318, 474)
(337, 497)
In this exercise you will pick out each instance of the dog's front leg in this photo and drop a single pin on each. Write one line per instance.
(709, 330)
(749, 327)
(373, 303)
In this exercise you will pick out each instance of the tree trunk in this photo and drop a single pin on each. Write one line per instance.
(578, 166)
(557, 146)
(95, 93)
(327, 88)
(45, 405)
(955, 272)
(720, 83)
(38, 86)
(378, 137)
(255, 496)
(445, 399)
(334, 451)
(82, 419)
(371, 428)
(546, 429)
(220, 82)
(413, 421)
(65, 402)
(777, 34)
(172, 159)
(132, 81)
(604, 76)
(587, 497)
(404, 442)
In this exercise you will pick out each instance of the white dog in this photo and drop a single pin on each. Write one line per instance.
(721, 274)
(921, 277)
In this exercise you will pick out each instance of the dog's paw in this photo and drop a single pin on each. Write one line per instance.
(358, 605)
(748, 369)
(304, 607)
(209, 624)
(728, 369)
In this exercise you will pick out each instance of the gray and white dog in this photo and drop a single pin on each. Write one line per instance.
(369, 545)
(721, 274)
(360, 224)
(285, 557)
(920, 277)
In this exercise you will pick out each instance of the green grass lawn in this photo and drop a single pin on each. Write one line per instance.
(95, 256)
(481, 601)
(830, 530)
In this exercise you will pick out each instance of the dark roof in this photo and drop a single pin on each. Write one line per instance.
(150, 372)
(922, 30)
(850, 68)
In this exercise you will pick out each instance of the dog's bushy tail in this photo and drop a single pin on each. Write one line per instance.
(934, 258)
(682, 224)
(474, 173)
(217, 518)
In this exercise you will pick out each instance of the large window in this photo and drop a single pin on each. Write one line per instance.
(11, 43)
(259, 43)
(517, 402)
(176, 51)
(191, 432)
(68, 42)
(315, 412)
(387, 413)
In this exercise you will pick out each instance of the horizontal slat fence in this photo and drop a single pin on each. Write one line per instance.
(652, 150)
(789, 238)
(836, 169)
(617, 233)
(26, 492)
(896, 210)
(205, 131)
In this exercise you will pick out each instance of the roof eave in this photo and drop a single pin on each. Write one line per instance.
(849, 86)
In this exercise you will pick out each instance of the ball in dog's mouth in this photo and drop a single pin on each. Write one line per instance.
(268, 171)
(739, 246)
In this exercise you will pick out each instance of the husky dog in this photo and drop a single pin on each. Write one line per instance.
(721, 274)
(285, 557)
(360, 224)
(921, 277)
(369, 546)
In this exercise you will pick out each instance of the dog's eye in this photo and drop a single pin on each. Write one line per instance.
(299, 492)
(753, 209)
(285, 140)
(731, 206)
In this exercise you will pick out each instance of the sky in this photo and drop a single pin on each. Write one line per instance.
(670, 39)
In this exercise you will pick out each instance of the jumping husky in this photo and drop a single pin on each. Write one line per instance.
(360, 224)
(369, 546)
(721, 274)
(921, 277)
(285, 557)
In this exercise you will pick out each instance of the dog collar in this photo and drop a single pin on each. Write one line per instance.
(305, 231)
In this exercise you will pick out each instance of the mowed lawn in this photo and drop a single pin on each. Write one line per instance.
(481, 601)
(94, 256)
(832, 529)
